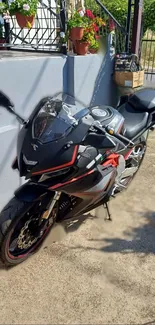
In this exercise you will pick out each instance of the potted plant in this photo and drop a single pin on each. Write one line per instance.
(94, 46)
(76, 26)
(81, 46)
(2, 39)
(24, 11)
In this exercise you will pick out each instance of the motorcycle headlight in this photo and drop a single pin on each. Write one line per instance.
(29, 162)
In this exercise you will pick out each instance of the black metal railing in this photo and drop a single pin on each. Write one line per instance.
(44, 35)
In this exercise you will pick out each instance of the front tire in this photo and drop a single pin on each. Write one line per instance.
(16, 222)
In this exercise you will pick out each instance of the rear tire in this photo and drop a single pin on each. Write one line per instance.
(13, 213)
(141, 141)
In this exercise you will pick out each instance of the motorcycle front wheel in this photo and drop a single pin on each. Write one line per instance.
(23, 228)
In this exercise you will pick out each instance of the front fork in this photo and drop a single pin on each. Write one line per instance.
(46, 215)
(55, 198)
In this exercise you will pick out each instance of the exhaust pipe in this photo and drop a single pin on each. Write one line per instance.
(129, 172)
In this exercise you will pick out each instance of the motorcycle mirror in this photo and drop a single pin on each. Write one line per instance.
(6, 102)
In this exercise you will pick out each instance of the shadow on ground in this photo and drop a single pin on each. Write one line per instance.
(75, 223)
(138, 240)
(60, 231)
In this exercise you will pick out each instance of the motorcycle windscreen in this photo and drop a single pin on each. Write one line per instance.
(56, 119)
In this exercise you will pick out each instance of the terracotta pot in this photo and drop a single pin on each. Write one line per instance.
(24, 21)
(81, 47)
(76, 33)
(2, 41)
(92, 51)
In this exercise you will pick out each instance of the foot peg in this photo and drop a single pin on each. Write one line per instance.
(108, 215)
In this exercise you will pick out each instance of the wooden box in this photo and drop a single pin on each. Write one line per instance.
(129, 79)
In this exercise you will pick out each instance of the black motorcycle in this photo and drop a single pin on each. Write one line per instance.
(75, 159)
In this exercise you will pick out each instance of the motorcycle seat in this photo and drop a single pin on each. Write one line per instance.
(143, 100)
(135, 120)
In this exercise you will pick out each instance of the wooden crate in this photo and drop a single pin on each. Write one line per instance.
(129, 79)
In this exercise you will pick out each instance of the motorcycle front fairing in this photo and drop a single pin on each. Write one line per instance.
(42, 142)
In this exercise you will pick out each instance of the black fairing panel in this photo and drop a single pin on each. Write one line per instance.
(143, 100)
(52, 154)
(135, 120)
(83, 183)
(21, 136)
(30, 192)
(15, 164)
(85, 156)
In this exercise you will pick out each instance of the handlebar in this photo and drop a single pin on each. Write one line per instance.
(110, 131)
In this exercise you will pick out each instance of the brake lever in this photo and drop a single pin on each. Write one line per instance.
(110, 131)
(118, 136)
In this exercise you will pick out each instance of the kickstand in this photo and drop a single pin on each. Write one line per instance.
(108, 216)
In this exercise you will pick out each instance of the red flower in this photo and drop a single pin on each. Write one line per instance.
(95, 27)
(111, 25)
(89, 14)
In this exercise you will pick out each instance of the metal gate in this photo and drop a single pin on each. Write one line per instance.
(148, 57)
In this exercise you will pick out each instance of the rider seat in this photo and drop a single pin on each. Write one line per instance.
(136, 111)
(135, 120)
(143, 100)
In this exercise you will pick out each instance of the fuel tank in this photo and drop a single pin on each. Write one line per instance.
(107, 115)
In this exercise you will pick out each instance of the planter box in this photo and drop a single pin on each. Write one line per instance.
(129, 79)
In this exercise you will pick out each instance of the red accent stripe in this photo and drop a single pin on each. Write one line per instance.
(71, 181)
(60, 166)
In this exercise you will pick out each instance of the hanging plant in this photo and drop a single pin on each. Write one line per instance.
(24, 11)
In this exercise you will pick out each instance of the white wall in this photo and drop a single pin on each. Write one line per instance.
(25, 81)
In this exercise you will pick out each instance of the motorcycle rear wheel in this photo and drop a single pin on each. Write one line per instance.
(140, 143)
(22, 230)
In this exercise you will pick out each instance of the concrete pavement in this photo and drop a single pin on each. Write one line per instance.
(100, 273)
